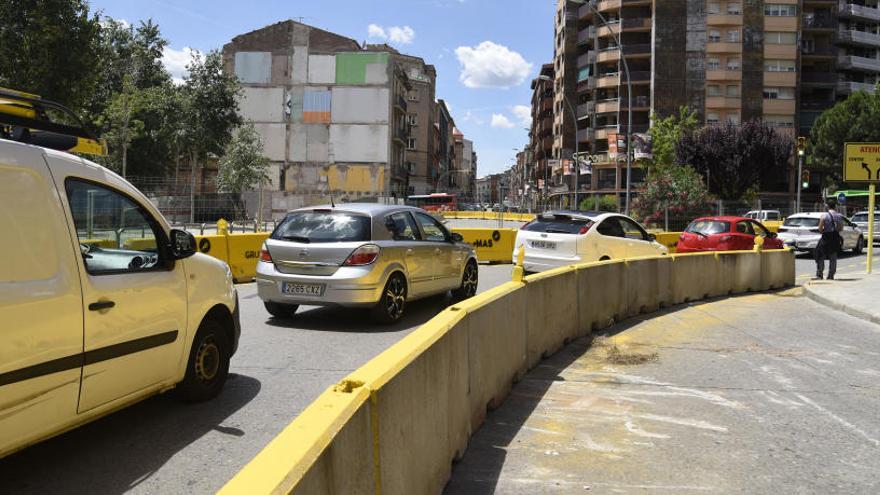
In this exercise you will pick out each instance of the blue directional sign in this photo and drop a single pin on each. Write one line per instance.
(841, 198)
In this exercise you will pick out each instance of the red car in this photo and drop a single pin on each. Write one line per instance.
(725, 234)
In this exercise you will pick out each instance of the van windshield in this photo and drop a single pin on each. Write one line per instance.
(323, 226)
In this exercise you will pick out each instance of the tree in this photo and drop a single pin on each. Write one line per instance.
(666, 133)
(678, 188)
(734, 157)
(607, 202)
(243, 166)
(50, 47)
(852, 120)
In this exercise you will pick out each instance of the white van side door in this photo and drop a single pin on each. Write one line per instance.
(134, 295)
(41, 313)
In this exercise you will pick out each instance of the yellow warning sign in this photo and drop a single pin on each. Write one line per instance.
(861, 162)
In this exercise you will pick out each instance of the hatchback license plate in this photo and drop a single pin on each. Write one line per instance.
(544, 244)
(303, 289)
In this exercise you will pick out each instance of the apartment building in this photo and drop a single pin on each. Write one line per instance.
(332, 115)
(541, 132)
(444, 149)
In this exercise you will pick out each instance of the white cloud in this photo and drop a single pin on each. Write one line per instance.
(377, 32)
(490, 65)
(524, 114)
(403, 35)
(501, 122)
(175, 62)
(470, 117)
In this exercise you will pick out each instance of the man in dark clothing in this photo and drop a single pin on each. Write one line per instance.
(830, 227)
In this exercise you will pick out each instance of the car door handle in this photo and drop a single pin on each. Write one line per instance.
(410, 252)
(98, 306)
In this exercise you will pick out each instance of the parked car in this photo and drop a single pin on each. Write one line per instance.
(765, 215)
(725, 234)
(860, 220)
(102, 303)
(801, 233)
(560, 238)
(362, 255)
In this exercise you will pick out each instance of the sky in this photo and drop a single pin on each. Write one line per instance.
(486, 51)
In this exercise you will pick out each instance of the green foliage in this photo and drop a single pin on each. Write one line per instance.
(243, 166)
(49, 47)
(211, 104)
(605, 203)
(852, 120)
(667, 132)
(677, 187)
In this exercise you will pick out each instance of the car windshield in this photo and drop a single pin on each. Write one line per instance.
(323, 226)
(801, 222)
(708, 227)
(558, 224)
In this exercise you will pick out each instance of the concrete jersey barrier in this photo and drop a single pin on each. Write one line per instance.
(395, 425)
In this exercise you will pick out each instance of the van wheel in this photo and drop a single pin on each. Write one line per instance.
(279, 310)
(469, 281)
(391, 305)
(860, 244)
(604, 258)
(208, 364)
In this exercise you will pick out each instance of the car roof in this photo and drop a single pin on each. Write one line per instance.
(586, 215)
(724, 218)
(372, 209)
(809, 214)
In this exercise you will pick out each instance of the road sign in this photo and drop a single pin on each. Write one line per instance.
(861, 162)
(841, 198)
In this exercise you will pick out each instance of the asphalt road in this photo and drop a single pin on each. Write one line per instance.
(805, 264)
(163, 446)
(766, 393)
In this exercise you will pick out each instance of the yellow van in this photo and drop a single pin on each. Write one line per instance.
(101, 303)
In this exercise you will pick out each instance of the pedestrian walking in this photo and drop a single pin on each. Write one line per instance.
(831, 242)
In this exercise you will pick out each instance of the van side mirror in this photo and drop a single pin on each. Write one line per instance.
(456, 237)
(652, 237)
(183, 244)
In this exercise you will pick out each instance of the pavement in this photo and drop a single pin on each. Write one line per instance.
(762, 393)
(163, 446)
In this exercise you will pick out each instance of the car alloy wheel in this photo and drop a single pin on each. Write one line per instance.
(469, 281)
(395, 298)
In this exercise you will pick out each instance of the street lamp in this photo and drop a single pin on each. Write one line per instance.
(577, 169)
(616, 37)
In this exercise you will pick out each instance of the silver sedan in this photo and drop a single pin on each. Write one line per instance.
(362, 255)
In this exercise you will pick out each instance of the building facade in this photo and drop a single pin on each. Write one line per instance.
(332, 116)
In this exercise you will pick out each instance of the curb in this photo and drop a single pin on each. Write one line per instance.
(850, 310)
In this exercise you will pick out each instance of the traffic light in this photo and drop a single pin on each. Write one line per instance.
(801, 145)
(805, 179)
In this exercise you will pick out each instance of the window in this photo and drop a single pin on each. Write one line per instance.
(744, 227)
(714, 36)
(410, 143)
(734, 8)
(778, 93)
(713, 8)
(779, 120)
(708, 227)
(733, 63)
(413, 95)
(432, 229)
(713, 90)
(610, 228)
(732, 91)
(780, 9)
(412, 119)
(323, 226)
(713, 63)
(631, 230)
(759, 229)
(559, 224)
(733, 118)
(402, 227)
(116, 235)
(712, 118)
(773, 65)
(733, 36)
(780, 38)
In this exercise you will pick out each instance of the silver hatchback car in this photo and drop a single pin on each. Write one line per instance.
(362, 255)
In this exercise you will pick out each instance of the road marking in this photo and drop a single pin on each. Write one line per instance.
(840, 420)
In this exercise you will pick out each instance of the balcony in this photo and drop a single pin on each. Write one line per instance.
(546, 104)
(818, 78)
(634, 50)
(781, 23)
(640, 76)
(608, 106)
(723, 75)
(586, 35)
(583, 60)
(816, 104)
(786, 52)
(723, 47)
(401, 103)
(609, 29)
(608, 55)
(724, 20)
(723, 102)
(640, 102)
(401, 134)
(818, 51)
(814, 23)
(785, 79)
(779, 107)
(860, 38)
(586, 109)
(850, 87)
(584, 135)
(852, 62)
(636, 24)
(608, 80)
(860, 12)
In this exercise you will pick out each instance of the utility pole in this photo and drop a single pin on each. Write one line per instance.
(801, 151)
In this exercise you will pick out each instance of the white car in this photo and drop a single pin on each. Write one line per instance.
(560, 238)
(764, 215)
(860, 219)
(801, 233)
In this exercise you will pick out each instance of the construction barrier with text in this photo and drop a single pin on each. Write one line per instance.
(396, 425)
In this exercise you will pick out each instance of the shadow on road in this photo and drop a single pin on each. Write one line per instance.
(335, 319)
(118, 452)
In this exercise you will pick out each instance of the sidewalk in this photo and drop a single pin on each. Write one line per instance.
(762, 393)
(855, 294)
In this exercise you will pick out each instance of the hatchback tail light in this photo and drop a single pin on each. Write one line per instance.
(363, 255)
(264, 255)
(586, 228)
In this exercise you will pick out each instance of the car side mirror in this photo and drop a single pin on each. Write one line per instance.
(183, 244)
(456, 237)
(652, 237)
(772, 235)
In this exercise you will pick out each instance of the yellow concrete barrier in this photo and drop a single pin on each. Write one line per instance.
(395, 425)
(491, 245)
(140, 244)
(668, 239)
(213, 245)
(244, 252)
(101, 242)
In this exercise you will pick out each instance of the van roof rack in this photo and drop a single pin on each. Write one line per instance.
(24, 118)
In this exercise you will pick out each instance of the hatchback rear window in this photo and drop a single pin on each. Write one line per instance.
(323, 226)
(558, 224)
(801, 222)
(860, 217)
(708, 227)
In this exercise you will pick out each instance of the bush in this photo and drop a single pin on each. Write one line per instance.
(605, 203)
(677, 187)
